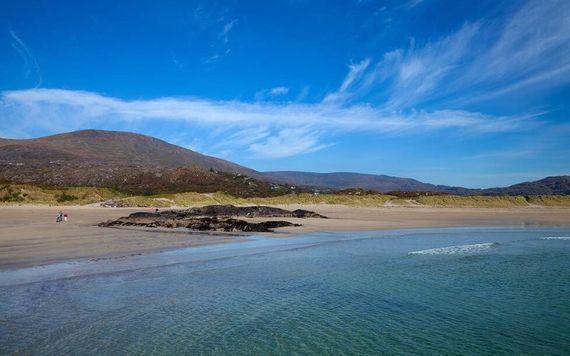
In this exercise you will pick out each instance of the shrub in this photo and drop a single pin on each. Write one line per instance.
(66, 197)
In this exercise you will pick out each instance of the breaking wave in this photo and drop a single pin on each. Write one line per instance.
(456, 250)
(555, 238)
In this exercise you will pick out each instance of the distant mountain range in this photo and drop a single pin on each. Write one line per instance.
(559, 185)
(346, 180)
(142, 164)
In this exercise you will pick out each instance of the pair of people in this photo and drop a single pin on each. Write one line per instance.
(61, 216)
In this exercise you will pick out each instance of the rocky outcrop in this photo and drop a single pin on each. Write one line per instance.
(114, 203)
(214, 218)
(201, 224)
(245, 211)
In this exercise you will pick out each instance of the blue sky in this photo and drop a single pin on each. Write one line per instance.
(449, 92)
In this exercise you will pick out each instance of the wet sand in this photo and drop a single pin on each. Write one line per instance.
(29, 235)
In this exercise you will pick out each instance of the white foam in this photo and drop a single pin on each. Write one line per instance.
(456, 250)
(555, 238)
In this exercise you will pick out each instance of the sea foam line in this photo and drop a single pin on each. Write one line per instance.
(456, 250)
(555, 238)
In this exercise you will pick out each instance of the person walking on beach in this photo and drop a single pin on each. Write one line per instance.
(59, 217)
(65, 217)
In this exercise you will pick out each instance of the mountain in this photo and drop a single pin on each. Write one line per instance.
(122, 160)
(346, 180)
(112, 148)
(559, 185)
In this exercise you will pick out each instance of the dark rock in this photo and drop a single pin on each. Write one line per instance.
(203, 224)
(300, 213)
(113, 203)
(214, 218)
(246, 211)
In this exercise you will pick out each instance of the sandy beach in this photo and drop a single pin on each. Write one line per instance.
(29, 235)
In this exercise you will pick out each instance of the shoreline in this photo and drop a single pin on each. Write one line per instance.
(30, 237)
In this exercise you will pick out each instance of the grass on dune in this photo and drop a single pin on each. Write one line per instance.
(473, 201)
(189, 199)
(28, 194)
(550, 200)
(25, 194)
(495, 201)
(167, 200)
(306, 198)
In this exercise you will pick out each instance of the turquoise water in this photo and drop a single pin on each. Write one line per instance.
(439, 291)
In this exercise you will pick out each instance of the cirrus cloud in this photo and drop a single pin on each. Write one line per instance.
(260, 128)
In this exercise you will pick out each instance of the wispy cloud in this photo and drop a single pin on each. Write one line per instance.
(177, 62)
(479, 62)
(244, 137)
(216, 27)
(225, 33)
(222, 46)
(355, 73)
(288, 142)
(279, 91)
(304, 93)
(30, 62)
(271, 93)
(216, 57)
(413, 3)
(288, 128)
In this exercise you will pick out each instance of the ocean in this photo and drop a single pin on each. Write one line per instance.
(453, 291)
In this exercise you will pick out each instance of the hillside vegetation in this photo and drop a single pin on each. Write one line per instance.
(14, 194)
(28, 194)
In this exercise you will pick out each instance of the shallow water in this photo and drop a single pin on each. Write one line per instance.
(434, 291)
